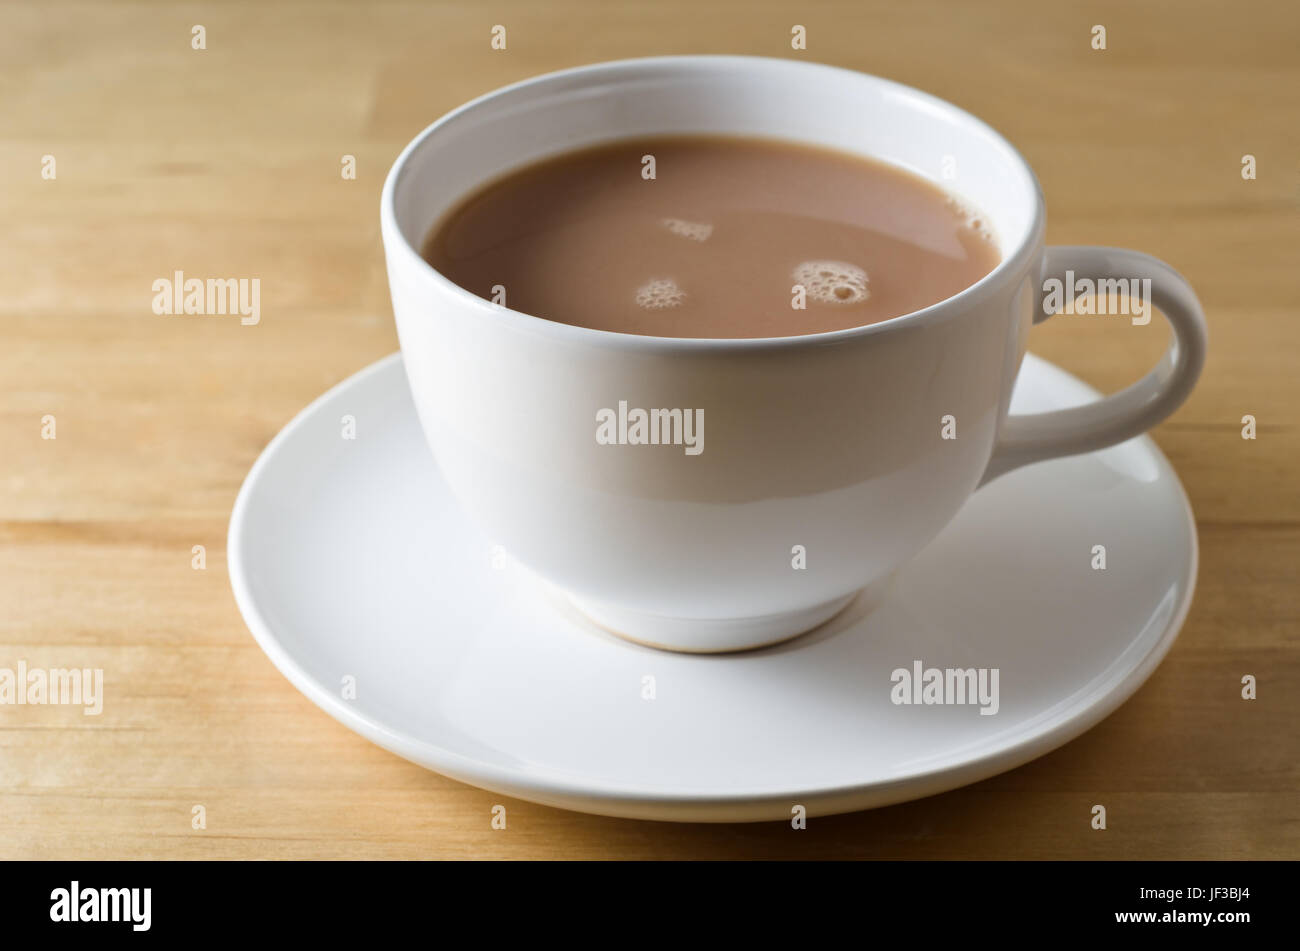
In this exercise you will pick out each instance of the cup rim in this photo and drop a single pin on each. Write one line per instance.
(1012, 261)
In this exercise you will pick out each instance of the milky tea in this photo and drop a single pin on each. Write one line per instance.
(707, 236)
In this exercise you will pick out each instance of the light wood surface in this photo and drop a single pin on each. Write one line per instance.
(226, 161)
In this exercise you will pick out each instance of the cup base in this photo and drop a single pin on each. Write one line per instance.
(708, 635)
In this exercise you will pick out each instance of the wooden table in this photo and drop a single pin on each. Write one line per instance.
(226, 161)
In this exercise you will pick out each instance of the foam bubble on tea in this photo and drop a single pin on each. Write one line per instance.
(660, 293)
(718, 243)
(833, 282)
(688, 229)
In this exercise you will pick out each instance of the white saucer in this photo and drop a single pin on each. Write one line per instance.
(349, 559)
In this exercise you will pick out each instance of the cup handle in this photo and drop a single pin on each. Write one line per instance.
(1027, 438)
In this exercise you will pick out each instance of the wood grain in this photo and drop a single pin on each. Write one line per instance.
(226, 161)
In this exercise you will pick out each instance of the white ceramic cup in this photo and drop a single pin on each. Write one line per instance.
(829, 444)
